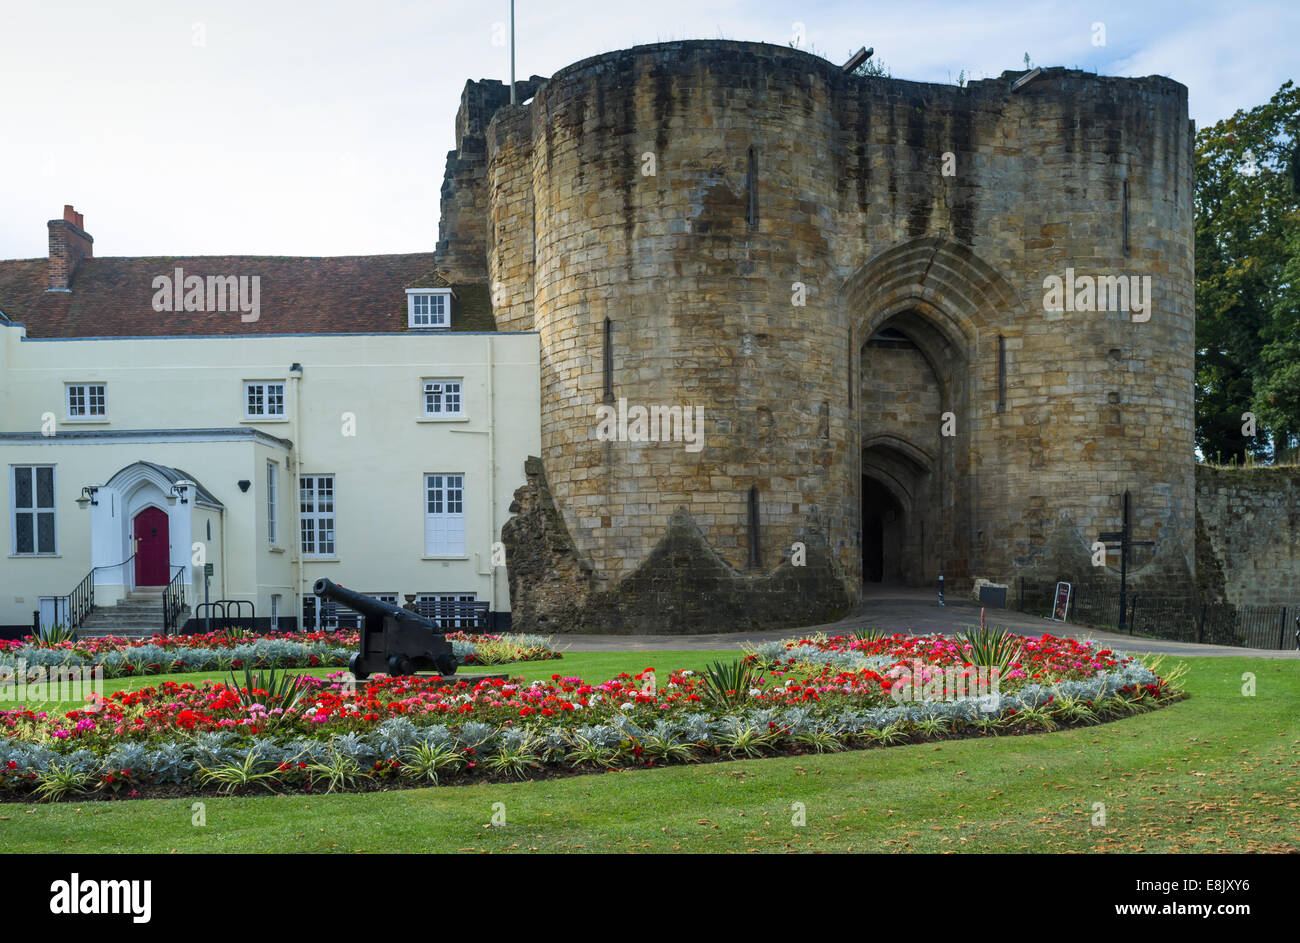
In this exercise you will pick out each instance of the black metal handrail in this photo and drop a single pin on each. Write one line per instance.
(113, 566)
(77, 604)
(173, 601)
(81, 601)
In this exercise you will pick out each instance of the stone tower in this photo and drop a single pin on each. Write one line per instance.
(847, 276)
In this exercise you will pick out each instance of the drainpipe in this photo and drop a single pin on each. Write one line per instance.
(295, 374)
(222, 587)
(492, 461)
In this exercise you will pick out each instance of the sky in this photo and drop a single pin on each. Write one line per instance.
(312, 127)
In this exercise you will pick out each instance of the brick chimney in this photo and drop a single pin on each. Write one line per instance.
(69, 244)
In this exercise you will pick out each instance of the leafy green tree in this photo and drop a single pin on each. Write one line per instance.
(1248, 278)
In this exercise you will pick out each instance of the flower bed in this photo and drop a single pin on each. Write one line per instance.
(801, 695)
(221, 651)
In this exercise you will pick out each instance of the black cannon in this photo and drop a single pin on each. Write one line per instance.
(393, 640)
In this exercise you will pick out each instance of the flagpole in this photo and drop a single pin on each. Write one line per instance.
(512, 53)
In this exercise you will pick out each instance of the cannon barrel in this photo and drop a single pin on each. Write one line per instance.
(393, 640)
(366, 605)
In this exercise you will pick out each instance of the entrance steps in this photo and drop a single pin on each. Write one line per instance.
(139, 615)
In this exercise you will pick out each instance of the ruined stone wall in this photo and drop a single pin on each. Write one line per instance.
(466, 207)
(852, 203)
(1250, 530)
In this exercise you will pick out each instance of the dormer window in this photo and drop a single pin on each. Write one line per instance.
(428, 308)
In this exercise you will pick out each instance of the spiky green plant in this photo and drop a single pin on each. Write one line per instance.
(516, 760)
(747, 740)
(887, 735)
(820, 740)
(339, 770)
(1109, 707)
(1170, 681)
(233, 777)
(282, 690)
(932, 727)
(1035, 718)
(426, 762)
(54, 635)
(991, 647)
(667, 748)
(1074, 710)
(729, 683)
(586, 752)
(61, 780)
(986, 723)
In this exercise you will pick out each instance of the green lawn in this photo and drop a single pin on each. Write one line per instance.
(1217, 772)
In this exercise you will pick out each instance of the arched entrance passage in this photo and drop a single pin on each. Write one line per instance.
(898, 517)
(923, 362)
(883, 524)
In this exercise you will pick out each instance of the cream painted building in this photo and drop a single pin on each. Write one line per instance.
(138, 445)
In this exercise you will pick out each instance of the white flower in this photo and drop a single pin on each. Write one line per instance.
(626, 705)
(755, 692)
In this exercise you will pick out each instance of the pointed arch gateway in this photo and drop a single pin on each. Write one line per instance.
(924, 318)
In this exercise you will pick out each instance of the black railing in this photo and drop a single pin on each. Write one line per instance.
(451, 615)
(74, 607)
(454, 614)
(81, 601)
(1177, 618)
(173, 601)
(226, 613)
(114, 566)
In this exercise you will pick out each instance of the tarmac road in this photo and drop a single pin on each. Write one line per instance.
(913, 612)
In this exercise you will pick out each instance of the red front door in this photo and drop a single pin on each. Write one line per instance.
(152, 548)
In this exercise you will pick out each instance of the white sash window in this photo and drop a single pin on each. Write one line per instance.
(316, 509)
(441, 398)
(444, 515)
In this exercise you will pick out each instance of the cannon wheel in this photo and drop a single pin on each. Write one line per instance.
(354, 666)
(399, 665)
(446, 664)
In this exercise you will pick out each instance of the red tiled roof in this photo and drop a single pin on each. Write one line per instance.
(113, 297)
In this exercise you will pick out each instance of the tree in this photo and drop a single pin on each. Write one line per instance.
(1248, 278)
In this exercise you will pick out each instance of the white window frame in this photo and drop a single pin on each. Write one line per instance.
(312, 519)
(263, 400)
(86, 409)
(444, 528)
(439, 389)
(422, 306)
(272, 503)
(275, 612)
(35, 510)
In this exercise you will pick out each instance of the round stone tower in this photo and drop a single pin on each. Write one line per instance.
(848, 283)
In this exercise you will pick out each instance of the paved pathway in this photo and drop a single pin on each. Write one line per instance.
(913, 612)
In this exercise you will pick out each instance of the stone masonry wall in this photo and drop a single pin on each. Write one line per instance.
(1250, 520)
(853, 205)
(465, 204)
